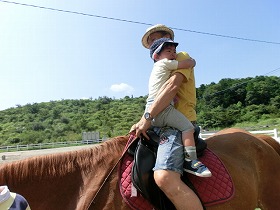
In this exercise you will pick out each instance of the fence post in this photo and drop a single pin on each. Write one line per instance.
(275, 133)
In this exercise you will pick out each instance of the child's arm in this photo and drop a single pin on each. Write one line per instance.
(186, 64)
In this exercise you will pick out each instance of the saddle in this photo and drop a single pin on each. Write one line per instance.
(142, 175)
(144, 152)
(137, 185)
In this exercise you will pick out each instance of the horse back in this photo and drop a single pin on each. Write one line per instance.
(251, 162)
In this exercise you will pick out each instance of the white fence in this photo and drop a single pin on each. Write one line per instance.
(87, 138)
(273, 133)
(48, 145)
(93, 137)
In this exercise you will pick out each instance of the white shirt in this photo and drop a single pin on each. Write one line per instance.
(160, 74)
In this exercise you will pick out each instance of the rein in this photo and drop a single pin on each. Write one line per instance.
(111, 171)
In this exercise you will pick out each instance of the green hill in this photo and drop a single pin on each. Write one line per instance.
(243, 102)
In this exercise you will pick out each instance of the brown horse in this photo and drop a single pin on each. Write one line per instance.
(71, 180)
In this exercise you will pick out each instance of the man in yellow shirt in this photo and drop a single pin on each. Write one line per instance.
(169, 163)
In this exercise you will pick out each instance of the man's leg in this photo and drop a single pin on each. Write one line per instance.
(169, 168)
(177, 191)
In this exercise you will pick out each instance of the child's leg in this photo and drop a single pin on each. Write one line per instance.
(192, 165)
(173, 118)
(188, 138)
(189, 145)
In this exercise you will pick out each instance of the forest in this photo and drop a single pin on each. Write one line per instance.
(228, 103)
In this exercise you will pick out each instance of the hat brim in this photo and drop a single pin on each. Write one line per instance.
(153, 30)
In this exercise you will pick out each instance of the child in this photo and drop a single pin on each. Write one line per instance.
(163, 52)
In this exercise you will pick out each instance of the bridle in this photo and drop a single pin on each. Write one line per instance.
(131, 139)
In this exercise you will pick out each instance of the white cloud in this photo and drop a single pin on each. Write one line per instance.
(122, 87)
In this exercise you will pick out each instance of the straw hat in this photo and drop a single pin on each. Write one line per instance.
(155, 28)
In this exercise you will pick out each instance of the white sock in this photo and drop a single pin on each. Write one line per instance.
(190, 153)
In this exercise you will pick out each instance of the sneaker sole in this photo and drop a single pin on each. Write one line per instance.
(197, 174)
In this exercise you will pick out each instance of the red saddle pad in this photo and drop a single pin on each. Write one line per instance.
(212, 190)
(215, 189)
(136, 202)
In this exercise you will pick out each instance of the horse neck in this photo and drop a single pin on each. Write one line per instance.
(74, 177)
(103, 173)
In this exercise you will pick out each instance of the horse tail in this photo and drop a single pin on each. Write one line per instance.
(271, 141)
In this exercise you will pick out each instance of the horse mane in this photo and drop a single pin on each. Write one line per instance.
(59, 164)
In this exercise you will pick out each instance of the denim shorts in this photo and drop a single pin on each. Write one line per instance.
(170, 154)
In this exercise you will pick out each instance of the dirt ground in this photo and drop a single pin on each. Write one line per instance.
(6, 157)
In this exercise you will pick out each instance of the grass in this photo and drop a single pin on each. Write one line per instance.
(265, 124)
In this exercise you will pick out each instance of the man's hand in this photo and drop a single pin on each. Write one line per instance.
(141, 127)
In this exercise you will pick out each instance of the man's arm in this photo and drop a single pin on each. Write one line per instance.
(186, 64)
(167, 93)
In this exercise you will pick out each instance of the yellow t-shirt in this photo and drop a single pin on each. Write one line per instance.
(187, 91)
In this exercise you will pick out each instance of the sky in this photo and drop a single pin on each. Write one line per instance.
(95, 49)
